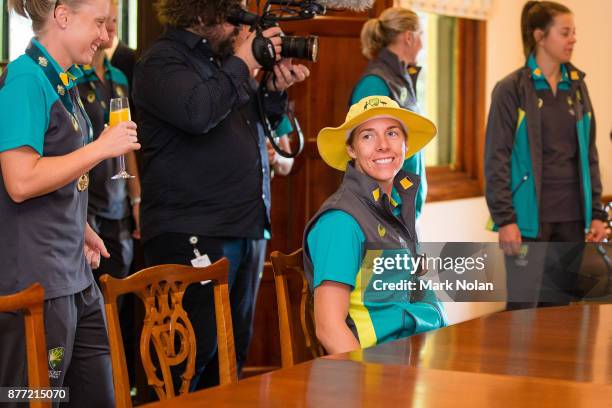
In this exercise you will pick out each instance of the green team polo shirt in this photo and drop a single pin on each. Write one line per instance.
(284, 127)
(336, 245)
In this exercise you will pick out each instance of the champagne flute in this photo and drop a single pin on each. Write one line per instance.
(120, 112)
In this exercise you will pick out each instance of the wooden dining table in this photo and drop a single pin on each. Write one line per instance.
(549, 357)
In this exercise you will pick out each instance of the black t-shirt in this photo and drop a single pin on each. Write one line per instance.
(561, 198)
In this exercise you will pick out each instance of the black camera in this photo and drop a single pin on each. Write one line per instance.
(306, 48)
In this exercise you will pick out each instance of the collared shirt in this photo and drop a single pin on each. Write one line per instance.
(107, 197)
(561, 198)
(205, 163)
(42, 238)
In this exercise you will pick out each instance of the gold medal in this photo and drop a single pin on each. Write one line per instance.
(83, 182)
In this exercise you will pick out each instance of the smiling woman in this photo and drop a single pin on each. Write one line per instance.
(375, 205)
(45, 157)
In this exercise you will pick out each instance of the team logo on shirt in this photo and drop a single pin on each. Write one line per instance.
(56, 357)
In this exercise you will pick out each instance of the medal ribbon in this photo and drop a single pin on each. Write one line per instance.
(59, 84)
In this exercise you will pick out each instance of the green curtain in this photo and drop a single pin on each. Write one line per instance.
(3, 32)
(446, 88)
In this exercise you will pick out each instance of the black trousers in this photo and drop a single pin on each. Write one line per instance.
(78, 353)
(545, 273)
(117, 237)
(246, 257)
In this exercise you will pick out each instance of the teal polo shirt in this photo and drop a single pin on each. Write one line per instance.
(336, 247)
(42, 238)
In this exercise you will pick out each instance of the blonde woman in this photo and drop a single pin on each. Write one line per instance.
(372, 210)
(392, 42)
(45, 157)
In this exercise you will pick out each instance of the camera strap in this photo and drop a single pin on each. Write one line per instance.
(267, 127)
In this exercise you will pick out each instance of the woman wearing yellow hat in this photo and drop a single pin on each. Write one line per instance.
(370, 216)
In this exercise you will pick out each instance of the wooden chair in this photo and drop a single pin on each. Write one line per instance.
(167, 326)
(31, 301)
(288, 268)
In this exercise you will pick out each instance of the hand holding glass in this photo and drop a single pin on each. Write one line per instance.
(120, 112)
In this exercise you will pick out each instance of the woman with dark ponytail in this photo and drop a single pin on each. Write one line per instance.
(46, 152)
(541, 165)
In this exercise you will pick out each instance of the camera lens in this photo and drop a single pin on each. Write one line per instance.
(300, 47)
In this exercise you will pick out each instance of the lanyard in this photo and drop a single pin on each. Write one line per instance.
(59, 83)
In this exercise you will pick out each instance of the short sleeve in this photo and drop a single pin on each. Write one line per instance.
(335, 244)
(368, 86)
(24, 116)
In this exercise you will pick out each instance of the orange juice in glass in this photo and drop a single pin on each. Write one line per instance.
(120, 112)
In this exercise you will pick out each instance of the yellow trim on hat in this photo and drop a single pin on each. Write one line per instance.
(405, 183)
(376, 194)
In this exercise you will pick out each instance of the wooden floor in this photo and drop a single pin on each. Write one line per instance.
(555, 357)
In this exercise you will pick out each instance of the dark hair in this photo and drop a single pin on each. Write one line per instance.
(538, 15)
(188, 13)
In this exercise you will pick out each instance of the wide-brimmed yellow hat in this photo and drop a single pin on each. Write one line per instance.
(332, 141)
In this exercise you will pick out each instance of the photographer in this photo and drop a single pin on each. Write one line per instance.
(205, 179)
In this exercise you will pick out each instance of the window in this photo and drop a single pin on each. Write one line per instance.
(20, 35)
(450, 91)
(436, 86)
(13, 45)
(3, 32)
(128, 17)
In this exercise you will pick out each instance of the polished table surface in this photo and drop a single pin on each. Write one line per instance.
(552, 357)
